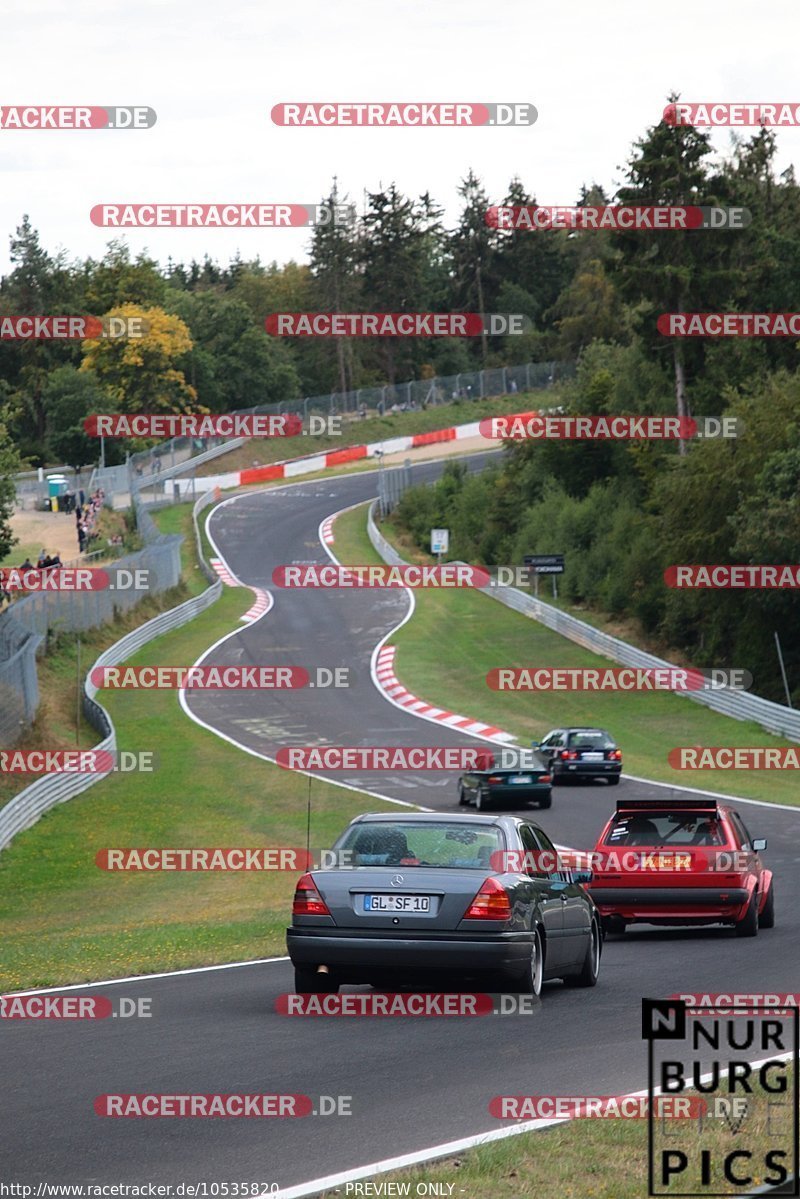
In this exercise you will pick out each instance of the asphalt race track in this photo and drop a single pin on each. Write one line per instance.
(413, 1083)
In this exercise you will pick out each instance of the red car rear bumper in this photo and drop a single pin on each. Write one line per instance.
(700, 904)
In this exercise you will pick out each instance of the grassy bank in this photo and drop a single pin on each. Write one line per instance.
(456, 636)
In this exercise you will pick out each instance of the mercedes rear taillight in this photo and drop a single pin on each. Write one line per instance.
(307, 899)
(491, 903)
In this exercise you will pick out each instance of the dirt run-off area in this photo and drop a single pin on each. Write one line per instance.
(53, 532)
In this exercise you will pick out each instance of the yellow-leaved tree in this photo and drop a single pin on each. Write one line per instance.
(143, 374)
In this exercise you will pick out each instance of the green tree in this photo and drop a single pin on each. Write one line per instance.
(395, 245)
(676, 270)
(70, 396)
(232, 363)
(10, 465)
(335, 286)
(116, 280)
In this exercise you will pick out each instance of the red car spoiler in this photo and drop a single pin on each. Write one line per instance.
(681, 804)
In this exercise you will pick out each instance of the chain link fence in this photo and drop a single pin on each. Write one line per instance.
(150, 465)
(19, 685)
(33, 492)
(29, 805)
(31, 620)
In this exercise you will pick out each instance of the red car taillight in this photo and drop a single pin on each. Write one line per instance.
(546, 778)
(495, 778)
(491, 903)
(307, 899)
(568, 755)
(615, 754)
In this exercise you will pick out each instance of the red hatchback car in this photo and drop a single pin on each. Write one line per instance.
(680, 861)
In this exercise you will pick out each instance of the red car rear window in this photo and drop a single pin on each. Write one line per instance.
(666, 828)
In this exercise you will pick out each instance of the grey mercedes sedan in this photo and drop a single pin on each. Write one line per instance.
(424, 895)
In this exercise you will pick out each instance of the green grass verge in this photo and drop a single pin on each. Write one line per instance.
(606, 1158)
(178, 519)
(22, 552)
(456, 636)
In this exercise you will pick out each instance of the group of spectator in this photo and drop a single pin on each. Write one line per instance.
(68, 501)
(44, 562)
(86, 517)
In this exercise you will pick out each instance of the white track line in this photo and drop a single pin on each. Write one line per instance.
(143, 978)
(450, 1147)
(254, 753)
(374, 661)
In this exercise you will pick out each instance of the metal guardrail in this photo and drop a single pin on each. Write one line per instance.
(30, 805)
(775, 718)
(379, 542)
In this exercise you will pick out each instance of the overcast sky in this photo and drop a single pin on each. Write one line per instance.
(597, 73)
